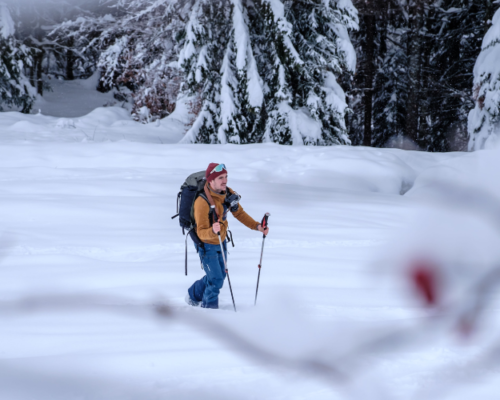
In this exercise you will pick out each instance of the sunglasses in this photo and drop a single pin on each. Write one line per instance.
(218, 168)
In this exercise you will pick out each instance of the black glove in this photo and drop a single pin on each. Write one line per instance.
(233, 202)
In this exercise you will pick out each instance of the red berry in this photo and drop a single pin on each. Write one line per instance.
(424, 278)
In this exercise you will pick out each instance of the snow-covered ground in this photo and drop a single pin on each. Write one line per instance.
(86, 233)
(75, 112)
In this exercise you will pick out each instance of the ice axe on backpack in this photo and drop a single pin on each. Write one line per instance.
(264, 224)
(213, 218)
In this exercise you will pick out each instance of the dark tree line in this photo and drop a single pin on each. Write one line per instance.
(413, 85)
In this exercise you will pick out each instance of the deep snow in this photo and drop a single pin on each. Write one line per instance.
(86, 207)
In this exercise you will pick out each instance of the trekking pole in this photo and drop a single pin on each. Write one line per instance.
(186, 255)
(264, 225)
(213, 217)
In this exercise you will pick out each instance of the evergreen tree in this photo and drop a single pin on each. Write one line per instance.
(377, 95)
(275, 77)
(484, 119)
(315, 52)
(456, 33)
(15, 89)
(74, 43)
(249, 85)
(424, 52)
(134, 47)
(390, 92)
(276, 57)
(207, 61)
(54, 56)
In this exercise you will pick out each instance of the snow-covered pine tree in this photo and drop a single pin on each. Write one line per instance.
(15, 88)
(249, 85)
(72, 41)
(205, 58)
(275, 55)
(275, 76)
(132, 43)
(34, 20)
(454, 36)
(484, 119)
(221, 73)
(314, 50)
(140, 51)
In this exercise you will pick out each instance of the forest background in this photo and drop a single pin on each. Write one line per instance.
(380, 73)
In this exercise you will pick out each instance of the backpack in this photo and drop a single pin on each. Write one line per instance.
(191, 189)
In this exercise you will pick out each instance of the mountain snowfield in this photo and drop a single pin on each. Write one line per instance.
(88, 248)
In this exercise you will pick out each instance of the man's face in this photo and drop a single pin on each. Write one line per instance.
(219, 184)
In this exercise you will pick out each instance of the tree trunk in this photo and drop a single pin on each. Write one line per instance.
(416, 16)
(369, 72)
(70, 60)
(490, 11)
(32, 74)
(39, 71)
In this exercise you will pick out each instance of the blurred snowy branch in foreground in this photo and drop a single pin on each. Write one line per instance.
(274, 338)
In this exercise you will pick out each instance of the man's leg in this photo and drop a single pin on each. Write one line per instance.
(214, 268)
(197, 289)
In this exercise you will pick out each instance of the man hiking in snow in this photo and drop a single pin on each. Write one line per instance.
(206, 290)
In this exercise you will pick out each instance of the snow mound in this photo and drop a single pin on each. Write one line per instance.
(101, 124)
(352, 169)
(106, 116)
(476, 171)
(65, 123)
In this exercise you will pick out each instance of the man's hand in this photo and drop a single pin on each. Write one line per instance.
(264, 231)
(216, 227)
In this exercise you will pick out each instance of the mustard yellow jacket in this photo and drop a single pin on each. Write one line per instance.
(201, 216)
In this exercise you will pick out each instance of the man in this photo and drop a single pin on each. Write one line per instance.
(206, 290)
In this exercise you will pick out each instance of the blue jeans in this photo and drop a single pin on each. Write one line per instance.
(207, 288)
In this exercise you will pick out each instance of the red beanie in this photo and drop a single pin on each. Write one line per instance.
(212, 175)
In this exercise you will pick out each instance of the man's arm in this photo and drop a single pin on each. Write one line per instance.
(245, 219)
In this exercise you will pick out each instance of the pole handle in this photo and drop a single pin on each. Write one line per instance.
(212, 216)
(265, 222)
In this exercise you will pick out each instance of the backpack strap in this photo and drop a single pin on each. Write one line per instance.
(208, 197)
(204, 197)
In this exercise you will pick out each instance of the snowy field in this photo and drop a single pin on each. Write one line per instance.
(88, 249)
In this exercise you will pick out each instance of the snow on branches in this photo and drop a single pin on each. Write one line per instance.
(140, 51)
(270, 75)
(254, 71)
(134, 47)
(15, 88)
(484, 123)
